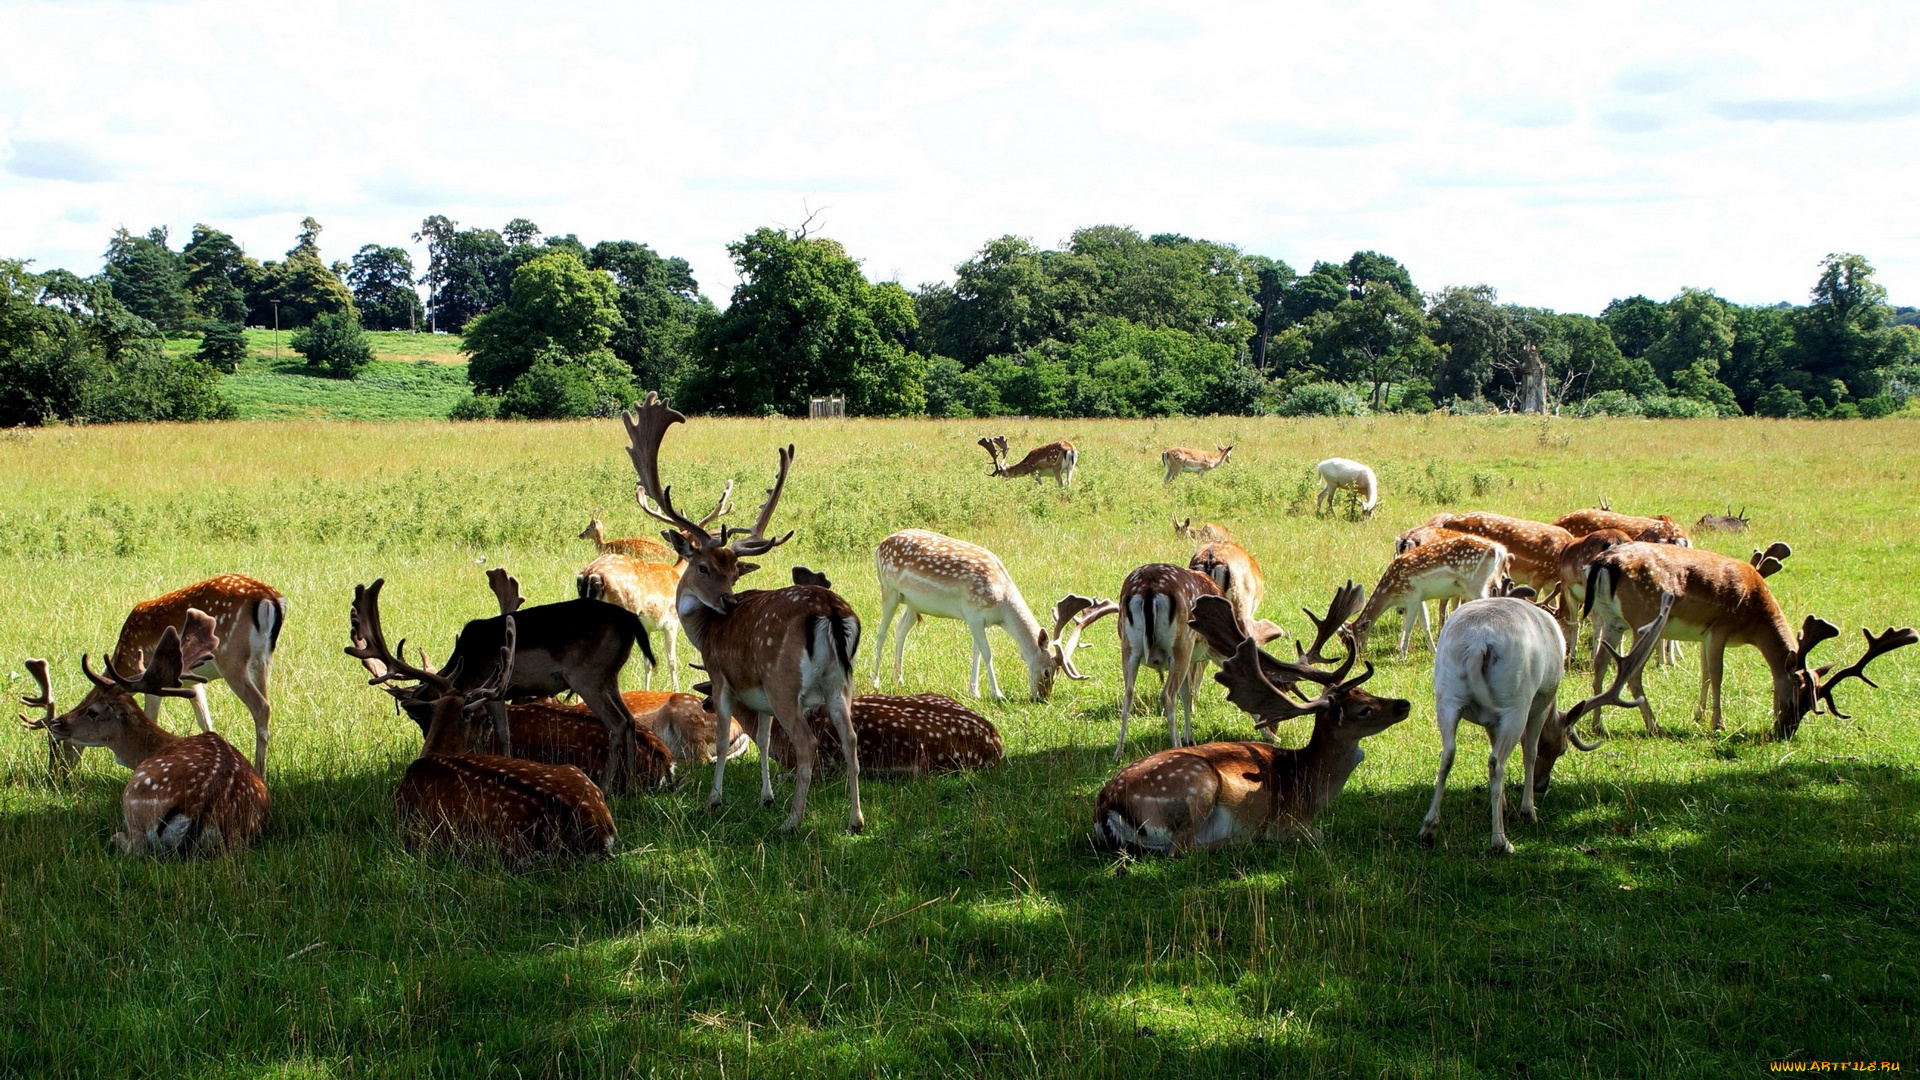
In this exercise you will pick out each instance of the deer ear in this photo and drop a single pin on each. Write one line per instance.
(746, 568)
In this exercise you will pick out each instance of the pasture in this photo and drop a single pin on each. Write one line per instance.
(1688, 905)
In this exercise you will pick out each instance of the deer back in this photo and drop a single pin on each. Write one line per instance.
(247, 615)
(558, 645)
(1710, 590)
(648, 589)
(902, 736)
(1047, 458)
(1650, 529)
(196, 795)
(1535, 546)
(1455, 566)
(502, 807)
(768, 624)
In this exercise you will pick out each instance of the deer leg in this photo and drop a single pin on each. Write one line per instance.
(763, 738)
(1646, 708)
(1129, 671)
(152, 706)
(1407, 611)
(909, 619)
(671, 631)
(1713, 656)
(1603, 634)
(840, 710)
(889, 601)
(1504, 737)
(722, 723)
(1447, 716)
(981, 650)
(201, 714)
(1170, 701)
(251, 689)
(804, 749)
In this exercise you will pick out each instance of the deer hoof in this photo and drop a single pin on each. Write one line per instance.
(1530, 815)
(856, 828)
(1425, 838)
(1502, 846)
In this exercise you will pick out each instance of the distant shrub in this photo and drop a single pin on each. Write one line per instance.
(1608, 403)
(1873, 408)
(559, 387)
(1237, 391)
(475, 407)
(223, 347)
(1664, 407)
(334, 344)
(1321, 399)
(1460, 406)
(1780, 403)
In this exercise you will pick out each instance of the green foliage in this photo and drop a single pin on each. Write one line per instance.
(334, 344)
(1781, 403)
(562, 386)
(954, 391)
(223, 347)
(559, 309)
(1666, 407)
(147, 277)
(219, 276)
(660, 306)
(1698, 332)
(475, 407)
(1378, 337)
(305, 286)
(1321, 399)
(1846, 332)
(382, 283)
(1608, 403)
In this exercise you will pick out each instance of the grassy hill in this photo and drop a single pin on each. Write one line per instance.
(413, 377)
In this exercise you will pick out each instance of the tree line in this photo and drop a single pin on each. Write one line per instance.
(1111, 323)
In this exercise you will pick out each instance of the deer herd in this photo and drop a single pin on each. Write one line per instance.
(507, 770)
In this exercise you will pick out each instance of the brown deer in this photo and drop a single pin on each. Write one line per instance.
(1571, 569)
(1236, 573)
(1727, 522)
(1720, 601)
(247, 617)
(1653, 530)
(1155, 607)
(1185, 459)
(904, 736)
(1205, 532)
(638, 547)
(938, 576)
(502, 807)
(648, 589)
(1457, 568)
(1223, 793)
(778, 652)
(1056, 459)
(1535, 546)
(194, 795)
(1422, 534)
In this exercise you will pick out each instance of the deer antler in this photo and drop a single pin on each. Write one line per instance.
(1646, 641)
(37, 668)
(506, 589)
(1347, 601)
(1214, 620)
(1244, 675)
(1889, 640)
(756, 542)
(1079, 612)
(502, 676)
(370, 643)
(646, 426)
(174, 658)
(1768, 562)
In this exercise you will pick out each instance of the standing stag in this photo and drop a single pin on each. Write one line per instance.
(938, 576)
(504, 807)
(1222, 793)
(777, 652)
(1056, 459)
(193, 795)
(1499, 665)
(1456, 568)
(1721, 601)
(1185, 459)
(1341, 474)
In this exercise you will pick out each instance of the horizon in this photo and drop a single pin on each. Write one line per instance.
(1564, 161)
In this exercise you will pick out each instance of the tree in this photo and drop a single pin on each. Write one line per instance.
(1321, 289)
(520, 231)
(561, 387)
(556, 307)
(1845, 333)
(660, 305)
(223, 347)
(1271, 278)
(1002, 302)
(1635, 323)
(303, 284)
(382, 283)
(147, 277)
(437, 233)
(1379, 337)
(1370, 267)
(1477, 334)
(473, 276)
(219, 276)
(804, 320)
(334, 344)
(1695, 342)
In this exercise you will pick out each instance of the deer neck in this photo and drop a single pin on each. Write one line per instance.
(139, 738)
(1321, 767)
(447, 733)
(1024, 629)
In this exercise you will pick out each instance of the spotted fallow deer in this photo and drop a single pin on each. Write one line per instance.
(1721, 601)
(905, 736)
(1056, 459)
(194, 795)
(1653, 530)
(1727, 522)
(247, 618)
(1459, 567)
(1422, 534)
(779, 653)
(1535, 546)
(482, 804)
(936, 576)
(1223, 793)
(1499, 665)
(1155, 608)
(1238, 577)
(1342, 474)
(1185, 459)
(648, 589)
(639, 547)
(1206, 532)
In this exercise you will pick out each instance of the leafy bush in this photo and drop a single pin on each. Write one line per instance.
(1873, 408)
(1321, 399)
(1780, 403)
(1460, 406)
(1608, 403)
(1664, 407)
(1238, 391)
(334, 344)
(953, 391)
(475, 407)
(223, 347)
(560, 387)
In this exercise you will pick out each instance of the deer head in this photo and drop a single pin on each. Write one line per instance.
(996, 447)
(1352, 712)
(714, 560)
(432, 699)
(1813, 687)
(109, 712)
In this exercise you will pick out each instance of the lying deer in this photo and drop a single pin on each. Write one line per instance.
(1341, 474)
(1652, 530)
(1459, 567)
(190, 796)
(638, 547)
(1223, 793)
(1721, 601)
(1499, 665)
(905, 736)
(1205, 532)
(1185, 459)
(1727, 522)
(1055, 459)
(483, 804)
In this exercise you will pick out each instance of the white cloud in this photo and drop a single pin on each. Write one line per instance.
(1565, 154)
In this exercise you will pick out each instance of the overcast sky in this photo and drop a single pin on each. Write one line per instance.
(1566, 154)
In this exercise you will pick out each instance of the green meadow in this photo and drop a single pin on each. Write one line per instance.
(1688, 905)
(412, 377)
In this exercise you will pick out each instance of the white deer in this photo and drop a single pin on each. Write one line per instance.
(1341, 474)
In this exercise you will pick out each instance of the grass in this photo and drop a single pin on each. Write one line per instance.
(1689, 905)
(412, 377)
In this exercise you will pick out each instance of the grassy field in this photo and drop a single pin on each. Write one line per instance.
(412, 377)
(1689, 905)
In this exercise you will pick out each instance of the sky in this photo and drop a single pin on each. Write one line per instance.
(1564, 153)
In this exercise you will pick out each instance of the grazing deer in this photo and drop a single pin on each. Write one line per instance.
(1535, 546)
(1727, 522)
(777, 652)
(1499, 665)
(1653, 530)
(504, 807)
(1238, 792)
(1055, 459)
(1205, 532)
(1155, 607)
(1340, 474)
(648, 589)
(1235, 573)
(904, 736)
(189, 796)
(247, 617)
(1185, 459)
(1571, 568)
(938, 576)
(1720, 601)
(638, 547)
(1459, 567)
(1422, 534)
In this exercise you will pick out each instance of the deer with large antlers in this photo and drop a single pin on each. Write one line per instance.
(936, 576)
(247, 617)
(194, 795)
(481, 803)
(1223, 793)
(1499, 665)
(1056, 459)
(1652, 530)
(777, 652)
(650, 590)
(1457, 568)
(1185, 459)
(1721, 601)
